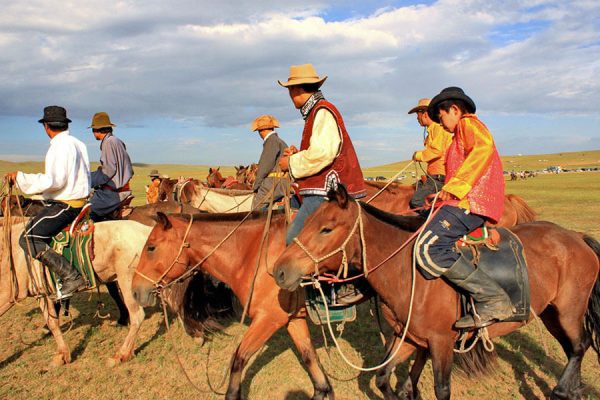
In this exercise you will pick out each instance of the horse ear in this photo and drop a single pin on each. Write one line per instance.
(341, 195)
(162, 219)
(210, 170)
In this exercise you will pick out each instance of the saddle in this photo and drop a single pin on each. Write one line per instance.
(499, 252)
(123, 210)
(76, 244)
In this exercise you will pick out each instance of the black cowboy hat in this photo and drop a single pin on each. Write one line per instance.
(54, 114)
(450, 93)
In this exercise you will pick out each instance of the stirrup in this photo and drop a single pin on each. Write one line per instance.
(472, 322)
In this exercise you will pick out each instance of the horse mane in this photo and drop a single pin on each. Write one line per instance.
(201, 303)
(405, 222)
(524, 212)
(235, 217)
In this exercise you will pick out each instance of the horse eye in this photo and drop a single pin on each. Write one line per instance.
(325, 230)
(151, 247)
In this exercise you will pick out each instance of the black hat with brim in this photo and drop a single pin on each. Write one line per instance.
(54, 114)
(450, 93)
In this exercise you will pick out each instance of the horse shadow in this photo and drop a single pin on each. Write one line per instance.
(529, 353)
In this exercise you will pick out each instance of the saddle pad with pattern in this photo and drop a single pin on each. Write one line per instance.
(316, 308)
(78, 249)
(505, 263)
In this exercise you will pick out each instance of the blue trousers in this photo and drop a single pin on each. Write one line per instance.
(436, 251)
(309, 206)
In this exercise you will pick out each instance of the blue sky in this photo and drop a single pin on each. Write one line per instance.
(184, 80)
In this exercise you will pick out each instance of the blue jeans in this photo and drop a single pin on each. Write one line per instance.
(309, 206)
(435, 249)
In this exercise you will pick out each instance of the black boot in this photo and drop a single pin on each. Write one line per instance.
(492, 302)
(70, 279)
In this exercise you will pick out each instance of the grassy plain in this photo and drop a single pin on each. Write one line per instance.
(525, 369)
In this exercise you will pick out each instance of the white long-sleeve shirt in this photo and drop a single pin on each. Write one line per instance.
(324, 147)
(67, 171)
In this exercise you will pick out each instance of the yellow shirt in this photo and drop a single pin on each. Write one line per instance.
(152, 193)
(436, 145)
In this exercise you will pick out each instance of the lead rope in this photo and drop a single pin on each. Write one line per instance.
(389, 182)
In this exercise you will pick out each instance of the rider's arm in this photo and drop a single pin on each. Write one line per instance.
(325, 143)
(55, 175)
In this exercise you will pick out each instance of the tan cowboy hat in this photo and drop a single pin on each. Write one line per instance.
(154, 174)
(421, 106)
(101, 120)
(264, 122)
(301, 74)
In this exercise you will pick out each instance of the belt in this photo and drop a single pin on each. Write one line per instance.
(123, 189)
(277, 174)
(76, 203)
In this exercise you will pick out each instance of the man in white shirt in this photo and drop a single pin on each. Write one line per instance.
(65, 187)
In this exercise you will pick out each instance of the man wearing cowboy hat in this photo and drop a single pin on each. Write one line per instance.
(65, 186)
(111, 180)
(268, 176)
(437, 141)
(326, 157)
(152, 190)
(474, 192)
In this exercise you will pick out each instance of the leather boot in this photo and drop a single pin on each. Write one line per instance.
(491, 301)
(70, 279)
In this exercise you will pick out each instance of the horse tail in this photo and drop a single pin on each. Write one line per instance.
(524, 211)
(201, 304)
(592, 315)
(477, 362)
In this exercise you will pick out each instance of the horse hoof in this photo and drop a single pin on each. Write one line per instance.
(58, 360)
(113, 362)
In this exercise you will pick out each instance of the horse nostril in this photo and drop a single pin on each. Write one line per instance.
(280, 276)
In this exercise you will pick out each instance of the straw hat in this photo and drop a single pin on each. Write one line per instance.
(301, 74)
(54, 114)
(450, 93)
(101, 120)
(265, 122)
(421, 106)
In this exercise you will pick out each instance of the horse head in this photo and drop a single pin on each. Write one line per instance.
(241, 173)
(251, 174)
(323, 241)
(165, 189)
(163, 258)
(214, 178)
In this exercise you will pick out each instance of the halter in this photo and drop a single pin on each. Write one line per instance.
(358, 224)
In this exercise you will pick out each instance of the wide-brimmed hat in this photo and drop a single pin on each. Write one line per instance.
(450, 93)
(301, 74)
(101, 120)
(421, 106)
(265, 122)
(154, 174)
(54, 114)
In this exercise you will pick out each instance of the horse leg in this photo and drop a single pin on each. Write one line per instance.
(259, 331)
(136, 317)
(441, 358)
(298, 331)
(382, 381)
(409, 390)
(63, 354)
(113, 290)
(567, 328)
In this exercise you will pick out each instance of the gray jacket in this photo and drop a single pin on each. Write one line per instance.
(269, 159)
(114, 173)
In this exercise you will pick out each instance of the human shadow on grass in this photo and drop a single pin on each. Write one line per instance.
(531, 352)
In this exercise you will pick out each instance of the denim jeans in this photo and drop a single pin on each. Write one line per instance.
(309, 206)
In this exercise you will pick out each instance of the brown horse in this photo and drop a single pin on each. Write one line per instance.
(216, 180)
(234, 263)
(563, 274)
(166, 189)
(396, 197)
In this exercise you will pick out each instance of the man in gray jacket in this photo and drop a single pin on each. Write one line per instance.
(111, 180)
(268, 175)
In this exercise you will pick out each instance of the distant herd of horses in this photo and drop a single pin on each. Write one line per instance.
(201, 233)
